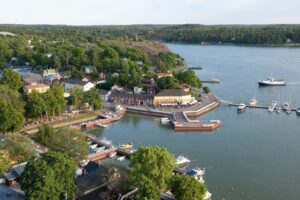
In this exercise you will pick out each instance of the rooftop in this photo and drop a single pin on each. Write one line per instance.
(34, 86)
(76, 82)
(172, 93)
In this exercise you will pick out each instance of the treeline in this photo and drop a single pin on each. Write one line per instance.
(189, 33)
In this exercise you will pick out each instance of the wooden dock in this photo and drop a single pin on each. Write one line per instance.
(259, 106)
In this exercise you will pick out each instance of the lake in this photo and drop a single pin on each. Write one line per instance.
(255, 154)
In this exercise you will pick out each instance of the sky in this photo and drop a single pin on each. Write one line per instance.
(123, 12)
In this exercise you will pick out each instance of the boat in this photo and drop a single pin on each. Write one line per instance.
(241, 107)
(126, 146)
(99, 155)
(270, 109)
(112, 154)
(182, 161)
(121, 158)
(274, 104)
(253, 102)
(99, 149)
(278, 109)
(271, 81)
(197, 173)
(93, 146)
(106, 141)
(102, 125)
(288, 111)
(285, 106)
(298, 111)
(165, 120)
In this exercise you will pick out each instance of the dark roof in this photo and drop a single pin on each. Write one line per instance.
(172, 93)
(76, 82)
(130, 95)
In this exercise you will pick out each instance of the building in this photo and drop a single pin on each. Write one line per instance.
(137, 90)
(38, 87)
(14, 175)
(70, 84)
(51, 75)
(105, 95)
(89, 69)
(131, 99)
(173, 97)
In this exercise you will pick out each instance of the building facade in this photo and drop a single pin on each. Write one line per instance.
(173, 97)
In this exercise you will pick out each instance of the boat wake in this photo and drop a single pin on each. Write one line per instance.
(293, 83)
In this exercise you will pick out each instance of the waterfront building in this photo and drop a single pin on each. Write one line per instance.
(173, 97)
(131, 99)
(38, 87)
(70, 84)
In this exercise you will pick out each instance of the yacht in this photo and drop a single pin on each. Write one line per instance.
(253, 102)
(182, 161)
(271, 81)
(298, 111)
(241, 107)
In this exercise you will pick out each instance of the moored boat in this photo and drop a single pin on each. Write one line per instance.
(197, 173)
(182, 161)
(102, 125)
(253, 102)
(278, 109)
(270, 109)
(298, 111)
(241, 107)
(285, 106)
(126, 146)
(271, 81)
(113, 154)
(288, 111)
(121, 158)
(165, 120)
(274, 104)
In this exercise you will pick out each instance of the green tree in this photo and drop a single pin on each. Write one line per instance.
(12, 79)
(93, 98)
(36, 106)
(187, 188)
(206, 89)
(168, 82)
(52, 176)
(150, 169)
(11, 96)
(56, 62)
(10, 119)
(64, 140)
(55, 101)
(19, 147)
(189, 77)
(77, 97)
(4, 165)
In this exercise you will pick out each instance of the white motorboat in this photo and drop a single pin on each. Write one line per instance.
(165, 120)
(274, 104)
(285, 106)
(253, 102)
(197, 173)
(113, 154)
(182, 161)
(288, 111)
(270, 109)
(298, 111)
(241, 107)
(93, 146)
(121, 158)
(278, 109)
(102, 125)
(126, 146)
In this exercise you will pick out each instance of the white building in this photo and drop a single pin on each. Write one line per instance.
(70, 84)
(105, 94)
(137, 90)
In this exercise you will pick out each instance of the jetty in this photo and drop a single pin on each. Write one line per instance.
(259, 106)
(212, 80)
(196, 68)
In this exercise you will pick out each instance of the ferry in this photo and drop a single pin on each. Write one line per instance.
(253, 102)
(182, 161)
(298, 111)
(241, 107)
(271, 81)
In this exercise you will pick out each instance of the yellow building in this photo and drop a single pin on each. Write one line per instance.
(40, 88)
(173, 97)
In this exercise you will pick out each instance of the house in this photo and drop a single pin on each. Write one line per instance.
(101, 76)
(105, 94)
(117, 88)
(70, 84)
(185, 87)
(137, 90)
(173, 97)
(51, 75)
(131, 99)
(39, 87)
(162, 75)
(14, 174)
(89, 69)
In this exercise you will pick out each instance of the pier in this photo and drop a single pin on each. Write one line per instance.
(259, 106)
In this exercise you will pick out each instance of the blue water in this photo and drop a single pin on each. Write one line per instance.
(254, 155)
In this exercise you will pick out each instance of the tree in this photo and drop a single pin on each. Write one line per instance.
(11, 96)
(93, 98)
(52, 176)
(206, 89)
(64, 140)
(19, 147)
(55, 101)
(77, 97)
(4, 165)
(12, 79)
(189, 77)
(36, 106)
(187, 188)
(150, 170)
(56, 62)
(168, 82)
(10, 119)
